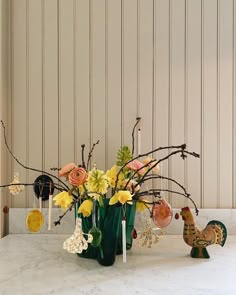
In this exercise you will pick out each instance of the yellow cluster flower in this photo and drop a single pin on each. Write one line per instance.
(63, 199)
(97, 181)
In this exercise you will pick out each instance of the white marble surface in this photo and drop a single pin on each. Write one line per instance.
(37, 264)
(17, 218)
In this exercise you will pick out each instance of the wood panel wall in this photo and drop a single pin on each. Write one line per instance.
(83, 70)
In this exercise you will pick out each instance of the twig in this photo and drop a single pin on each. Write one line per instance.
(61, 216)
(82, 152)
(154, 192)
(24, 166)
(166, 178)
(165, 158)
(183, 152)
(55, 169)
(91, 153)
(183, 146)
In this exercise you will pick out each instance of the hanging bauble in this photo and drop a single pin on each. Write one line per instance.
(162, 213)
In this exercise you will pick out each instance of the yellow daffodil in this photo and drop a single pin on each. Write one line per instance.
(97, 181)
(112, 175)
(86, 208)
(142, 205)
(122, 197)
(63, 199)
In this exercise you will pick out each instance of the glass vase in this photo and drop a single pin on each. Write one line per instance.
(109, 223)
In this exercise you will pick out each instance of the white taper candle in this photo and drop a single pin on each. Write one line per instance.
(40, 204)
(50, 212)
(139, 141)
(124, 239)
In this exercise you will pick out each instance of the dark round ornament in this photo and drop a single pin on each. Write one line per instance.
(43, 187)
(176, 215)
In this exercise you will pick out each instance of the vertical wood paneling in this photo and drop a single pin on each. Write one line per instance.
(98, 81)
(162, 82)
(130, 90)
(50, 76)
(225, 101)
(66, 98)
(178, 91)
(113, 79)
(34, 90)
(82, 128)
(194, 96)
(19, 116)
(84, 70)
(146, 73)
(210, 104)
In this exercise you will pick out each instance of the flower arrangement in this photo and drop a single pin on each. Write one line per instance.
(94, 193)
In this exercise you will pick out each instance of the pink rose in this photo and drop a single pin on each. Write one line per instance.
(65, 170)
(77, 176)
(136, 165)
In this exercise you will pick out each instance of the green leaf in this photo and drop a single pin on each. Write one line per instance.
(100, 201)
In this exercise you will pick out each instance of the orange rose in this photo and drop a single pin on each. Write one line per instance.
(65, 170)
(78, 176)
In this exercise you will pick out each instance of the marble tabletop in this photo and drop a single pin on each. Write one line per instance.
(37, 264)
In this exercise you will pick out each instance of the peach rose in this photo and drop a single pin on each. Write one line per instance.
(65, 170)
(131, 185)
(78, 176)
(135, 165)
(155, 169)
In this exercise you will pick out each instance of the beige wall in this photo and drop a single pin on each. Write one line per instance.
(84, 70)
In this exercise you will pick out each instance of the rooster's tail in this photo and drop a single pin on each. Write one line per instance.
(221, 231)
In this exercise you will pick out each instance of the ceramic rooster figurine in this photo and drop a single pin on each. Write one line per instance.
(214, 233)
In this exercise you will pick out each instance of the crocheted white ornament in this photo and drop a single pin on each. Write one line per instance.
(77, 243)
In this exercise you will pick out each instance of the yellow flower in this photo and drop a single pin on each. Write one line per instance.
(112, 175)
(142, 205)
(97, 181)
(122, 197)
(86, 208)
(63, 199)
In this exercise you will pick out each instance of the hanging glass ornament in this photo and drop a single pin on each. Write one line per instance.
(34, 220)
(162, 213)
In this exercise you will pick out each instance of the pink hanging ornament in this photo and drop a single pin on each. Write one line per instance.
(162, 213)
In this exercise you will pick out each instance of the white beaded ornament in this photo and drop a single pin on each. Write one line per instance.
(16, 188)
(77, 243)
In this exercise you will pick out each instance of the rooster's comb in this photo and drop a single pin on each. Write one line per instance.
(185, 209)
